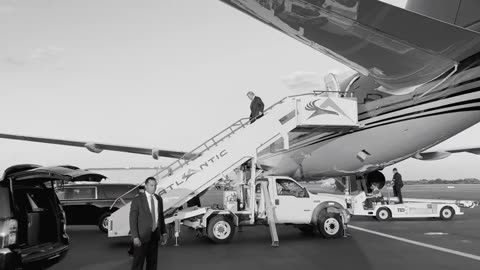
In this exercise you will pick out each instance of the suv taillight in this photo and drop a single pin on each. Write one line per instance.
(64, 219)
(8, 232)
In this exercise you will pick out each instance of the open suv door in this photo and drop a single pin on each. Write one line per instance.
(32, 221)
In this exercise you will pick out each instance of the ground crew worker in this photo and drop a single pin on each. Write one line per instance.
(397, 185)
(375, 196)
(362, 183)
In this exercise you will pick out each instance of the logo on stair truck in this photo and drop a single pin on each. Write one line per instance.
(311, 106)
(190, 172)
(323, 108)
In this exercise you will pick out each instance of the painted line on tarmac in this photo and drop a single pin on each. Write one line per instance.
(451, 251)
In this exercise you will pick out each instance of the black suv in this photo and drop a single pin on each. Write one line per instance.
(89, 204)
(32, 221)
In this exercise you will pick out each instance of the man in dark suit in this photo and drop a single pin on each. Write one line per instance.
(141, 190)
(256, 107)
(397, 185)
(147, 226)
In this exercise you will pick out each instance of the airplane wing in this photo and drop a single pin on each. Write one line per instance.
(443, 153)
(99, 147)
(397, 48)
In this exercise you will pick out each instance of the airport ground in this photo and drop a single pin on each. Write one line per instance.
(400, 244)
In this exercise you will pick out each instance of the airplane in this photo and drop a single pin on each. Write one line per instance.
(416, 80)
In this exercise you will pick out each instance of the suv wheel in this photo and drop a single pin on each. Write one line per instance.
(103, 222)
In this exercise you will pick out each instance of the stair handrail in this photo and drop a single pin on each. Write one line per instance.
(239, 122)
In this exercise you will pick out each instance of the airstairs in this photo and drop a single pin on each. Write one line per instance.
(240, 142)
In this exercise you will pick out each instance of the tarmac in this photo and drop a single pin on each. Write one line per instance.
(400, 244)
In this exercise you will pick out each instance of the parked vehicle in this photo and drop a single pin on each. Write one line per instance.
(89, 204)
(32, 221)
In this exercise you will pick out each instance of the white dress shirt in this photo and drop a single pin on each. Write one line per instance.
(150, 206)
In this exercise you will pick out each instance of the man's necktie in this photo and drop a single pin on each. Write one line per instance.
(152, 209)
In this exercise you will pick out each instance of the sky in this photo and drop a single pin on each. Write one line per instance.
(166, 74)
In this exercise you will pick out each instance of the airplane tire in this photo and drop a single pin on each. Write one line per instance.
(383, 214)
(103, 222)
(447, 213)
(330, 225)
(221, 229)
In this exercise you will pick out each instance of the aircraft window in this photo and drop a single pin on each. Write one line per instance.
(286, 187)
(79, 193)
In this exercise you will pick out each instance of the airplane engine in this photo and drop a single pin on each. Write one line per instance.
(376, 177)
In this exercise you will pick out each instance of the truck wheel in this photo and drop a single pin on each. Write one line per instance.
(221, 229)
(103, 222)
(447, 213)
(330, 225)
(383, 214)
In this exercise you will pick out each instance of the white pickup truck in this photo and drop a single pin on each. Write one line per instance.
(276, 199)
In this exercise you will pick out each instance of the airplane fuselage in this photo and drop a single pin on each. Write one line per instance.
(393, 128)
